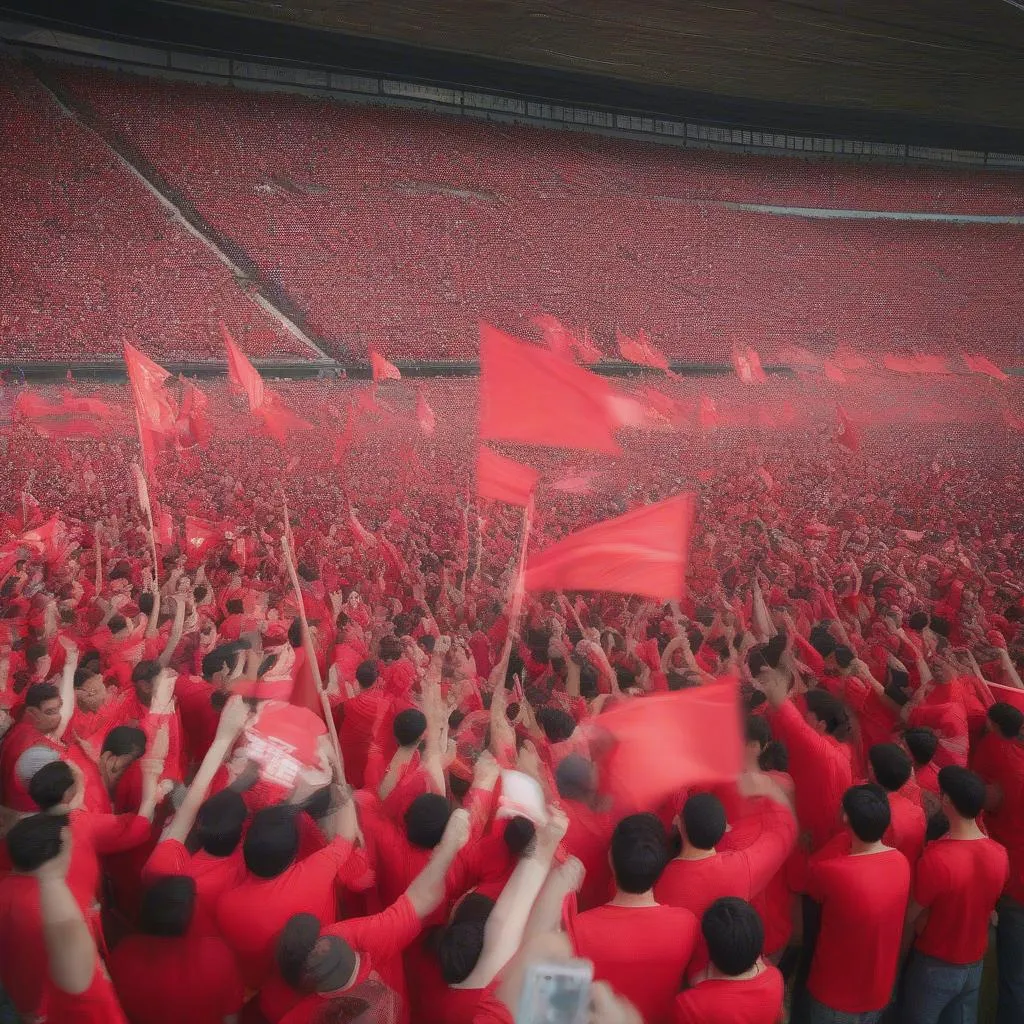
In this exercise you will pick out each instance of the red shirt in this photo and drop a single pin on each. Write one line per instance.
(23, 965)
(1000, 762)
(642, 952)
(907, 827)
(757, 1000)
(13, 792)
(251, 915)
(863, 903)
(959, 881)
(588, 837)
(696, 884)
(170, 981)
(96, 1005)
(396, 861)
(94, 834)
(949, 720)
(821, 769)
(356, 729)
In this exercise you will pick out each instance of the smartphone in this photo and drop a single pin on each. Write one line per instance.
(556, 993)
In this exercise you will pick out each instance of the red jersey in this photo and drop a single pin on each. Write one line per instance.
(757, 1000)
(959, 881)
(13, 792)
(587, 839)
(23, 965)
(1000, 762)
(864, 901)
(907, 827)
(95, 834)
(359, 718)
(949, 720)
(96, 1005)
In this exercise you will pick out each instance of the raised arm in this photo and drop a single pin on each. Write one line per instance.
(67, 685)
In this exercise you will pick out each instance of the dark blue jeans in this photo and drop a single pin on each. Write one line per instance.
(937, 992)
(822, 1014)
(1010, 954)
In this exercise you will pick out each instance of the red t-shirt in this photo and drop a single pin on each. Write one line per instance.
(642, 952)
(959, 881)
(949, 720)
(21, 737)
(356, 729)
(864, 901)
(170, 981)
(1000, 762)
(96, 1005)
(23, 965)
(587, 839)
(95, 834)
(757, 1000)
(907, 828)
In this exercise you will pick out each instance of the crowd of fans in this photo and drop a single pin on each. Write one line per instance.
(183, 841)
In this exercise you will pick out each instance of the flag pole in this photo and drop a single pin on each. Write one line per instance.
(518, 593)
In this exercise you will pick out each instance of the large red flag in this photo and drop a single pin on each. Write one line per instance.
(382, 369)
(979, 364)
(533, 396)
(50, 539)
(155, 408)
(242, 375)
(424, 414)
(1007, 694)
(70, 417)
(193, 423)
(915, 364)
(278, 419)
(504, 479)
(643, 552)
(640, 350)
(200, 537)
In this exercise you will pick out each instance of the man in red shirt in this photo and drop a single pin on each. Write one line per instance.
(359, 718)
(958, 882)
(42, 723)
(863, 895)
(890, 767)
(737, 985)
(634, 930)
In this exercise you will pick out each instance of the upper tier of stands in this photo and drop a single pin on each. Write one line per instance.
(400, 229)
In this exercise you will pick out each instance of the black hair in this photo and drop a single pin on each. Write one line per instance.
(1007, 719)
(409, 726)
(964, 788)
(558, 725)
(639, 852)
(116, 623)
(35, 840)
(734, 935)
(200, 592)
(272, 842)
(574, 777)
(235, 606)
(922, 742)
(939, 626)
(366, 674)
(146, 603)
(49, 784)
(82, 676)
(220, 658)
(519, 834)
(295, 632)
(167, 906)
(867, 810)
(121, 571)
(39, 693)
(830, 710)
(455, 719)
(35, 652)
(146, 671)
(425, 820)
(774, 757)
(461, 942)
(589, 678)
(917, 621)
(428, 642)
(843, 655)
(295, 944)
(891, 765)
(756, 659)
(704, 820)
(125, 739)
(220, 821)
(758, 730)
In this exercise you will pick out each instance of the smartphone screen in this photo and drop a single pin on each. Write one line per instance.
(556, 993)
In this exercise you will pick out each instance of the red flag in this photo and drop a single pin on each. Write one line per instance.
(382, 369)
(163, 528)
(748, 366)
(580, 483)
(586, 351)
(643, 552)
(367, 399)
(834, 373)
(847, 360)
(200, 537)
(242, 375)
(848, 435)
(707, 413)
(360, 532)
(915, 364)
(157, 414)
(1012, 420)
(666, 742)
(504, 479)
(979, 364)
(278, 419)
(556, 337)
(530, 395)
(50, 539)
(1007, 694)
(193, 424)
(424, 414)
(70, 417)
(661, 404)
(640, 350)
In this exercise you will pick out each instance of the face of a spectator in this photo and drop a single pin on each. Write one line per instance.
(92, 694)
(46, 717)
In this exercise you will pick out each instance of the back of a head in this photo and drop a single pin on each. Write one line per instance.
(867, 811)
(964, 789)
(272, 842)
(35, 840)
(917, 621)
(891, 766)
(558, 725)
(574, 778)
(828, 709)
(704, 820)
(390, 648)
(922, 742)
(774, 757)
(167, 906)
(366, 674)
(518, 835)
(639, 852)
(734, 935)
(758, 730)
(123, 740)
(426, 819)
(311, 964)
(461, 942)
(146, 671)
(50, 784)
(1007, 720)
(220, 821)
(409, 726)
(844, 656)
(823, 642)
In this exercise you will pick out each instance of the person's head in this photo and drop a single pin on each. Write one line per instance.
(123, 745)
(366, 674)
(90, 690)
(1005, 720)
(146, 603)
(118, 625)
(272, 842)
(963, 792)
(890, 766)
(35, 841)
(390, 648)
(774, 757)
(310, 962)
(461, 942)
(866, 811)
(843, 657)
(734, 935)
(219, 663)
(558, 725)
(53, 785)
(576, 778)
(758, 736)
(426, 819)
(409, 727)
(235, 606)
(167, 906)
(518, 834)
(823, 642)
(917, 621)
(639, 852)
(826, 714)
(703, 821)
(220, 821)
(38, 661)
(144, 678)
(922, 742)
(42, 707)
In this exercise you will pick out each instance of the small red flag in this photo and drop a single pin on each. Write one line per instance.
(424, 414)
(242, 375)
(915, 364)
(848, 435)
(643, 552)
(979, 364)
(200, 537)
(640, 350)
(748, 366)
(156, 409)
(532, 396)
(50, 539)
(163, 528)
(382, 369)
(503, 479)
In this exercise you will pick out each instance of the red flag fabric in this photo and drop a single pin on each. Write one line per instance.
(834, 372)
(424, 414)
(382, 369)
(664, 743)
(748, 366)
(915, 364)
(503, 479)
(70, 417)
(707, 413)
(661, 404)
(278, 420)
(532, 396)
(367, 400)
(578, 483)
(643, 552)
(360, 532)
(556, 337)
(1007, 694)
(242, 375)
(156, 410)
(640, 350)
(200, 537)
(979, 364)
(193, 423)
(848, 435)
(163, 528)
(848, 360)
(50, 539)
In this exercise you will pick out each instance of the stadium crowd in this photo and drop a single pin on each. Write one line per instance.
(183, 842)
